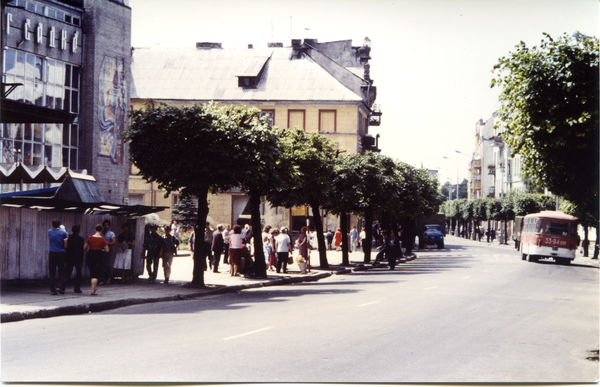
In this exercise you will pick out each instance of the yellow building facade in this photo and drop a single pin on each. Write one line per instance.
(289, 85)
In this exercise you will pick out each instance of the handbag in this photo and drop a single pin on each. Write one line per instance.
(290, 260)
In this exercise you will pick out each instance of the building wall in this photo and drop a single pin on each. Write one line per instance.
(107, 80)
(98, 47)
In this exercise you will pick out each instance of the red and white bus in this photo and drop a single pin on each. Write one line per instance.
(549, 234)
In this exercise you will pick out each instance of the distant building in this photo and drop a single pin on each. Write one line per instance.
(319, 87)
(494, 170)
(65, 92)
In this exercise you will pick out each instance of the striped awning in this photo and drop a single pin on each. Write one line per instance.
(17, 173)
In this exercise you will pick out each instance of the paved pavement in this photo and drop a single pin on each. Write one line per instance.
(21, 302)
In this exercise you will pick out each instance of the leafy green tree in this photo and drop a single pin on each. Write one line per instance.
(184, 149)
(258, 152)
(306, 169)
(550, 111)
(463, 189)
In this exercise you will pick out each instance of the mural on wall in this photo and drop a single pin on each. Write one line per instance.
(113, 107)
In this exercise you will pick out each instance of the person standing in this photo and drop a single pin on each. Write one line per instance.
(56, 258)
(237, 251)
(329, 238)
(111, 239)
(338, 240)
(207, 254)
(153, 245)
(125, 243)
(363, 238)
(284, 248)
(303, 250)
(170, 248)
(226, 244)
(353, 239)
(175, 227)
(97, 246)
(74, 258)
(217, 247)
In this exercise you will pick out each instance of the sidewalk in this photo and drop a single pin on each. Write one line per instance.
(21, 302)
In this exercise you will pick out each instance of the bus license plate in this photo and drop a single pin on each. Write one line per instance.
(555, 249)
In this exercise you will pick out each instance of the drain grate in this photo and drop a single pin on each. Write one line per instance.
(594, 356)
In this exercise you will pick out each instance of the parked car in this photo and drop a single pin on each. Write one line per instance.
(435, 235)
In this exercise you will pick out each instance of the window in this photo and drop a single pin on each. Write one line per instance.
(49, 83)
(249, 82)
(327, 121)
(296, 119)
(270, 114)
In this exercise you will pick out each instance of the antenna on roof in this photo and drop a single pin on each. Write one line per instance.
(307, 29)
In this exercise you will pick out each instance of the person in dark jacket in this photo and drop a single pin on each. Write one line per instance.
(217, 247)
(74, 258)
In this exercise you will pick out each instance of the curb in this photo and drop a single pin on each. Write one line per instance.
(108, 305)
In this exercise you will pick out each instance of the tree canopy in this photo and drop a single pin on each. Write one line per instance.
(550, 112)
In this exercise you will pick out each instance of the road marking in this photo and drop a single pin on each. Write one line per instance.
(467, 277)
(369, 303)
(247, 333)
(485, 271)
(433, 287)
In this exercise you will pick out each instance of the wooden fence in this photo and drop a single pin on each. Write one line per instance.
(24, 242)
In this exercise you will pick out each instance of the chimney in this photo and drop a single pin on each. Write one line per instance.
(207, 45)
(250, 46)
(296, 43)
(271, 45)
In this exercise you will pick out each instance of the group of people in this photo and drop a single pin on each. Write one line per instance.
(334, 240)
(67, 253)
(236, 246)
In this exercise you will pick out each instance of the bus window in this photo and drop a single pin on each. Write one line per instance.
(554, 227)
(539, 226)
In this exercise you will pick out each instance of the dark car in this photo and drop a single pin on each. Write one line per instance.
(435, 235)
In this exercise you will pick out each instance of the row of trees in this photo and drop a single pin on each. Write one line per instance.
(473, 211)
(504, 209)
(207, 148)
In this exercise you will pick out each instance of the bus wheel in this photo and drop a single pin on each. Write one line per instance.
(524, 257)
(533, 258)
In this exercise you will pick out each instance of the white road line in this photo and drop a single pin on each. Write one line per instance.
(247, 333)
(369, 303)
(433, 287)
(467, 277)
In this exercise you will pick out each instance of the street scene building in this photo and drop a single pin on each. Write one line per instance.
(319, 87)
(65, 90)
(493, 170)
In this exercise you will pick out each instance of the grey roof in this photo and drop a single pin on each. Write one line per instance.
(211, 74)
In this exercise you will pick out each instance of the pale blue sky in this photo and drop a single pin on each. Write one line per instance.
(431, 59)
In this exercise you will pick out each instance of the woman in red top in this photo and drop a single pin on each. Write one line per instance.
(96, 244)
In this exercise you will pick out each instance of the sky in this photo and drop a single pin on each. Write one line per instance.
(432, 60)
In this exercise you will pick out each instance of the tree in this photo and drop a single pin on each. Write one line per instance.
(306, 170)
(550, 111)
(258, 151)
(185, 149)
(185, 211)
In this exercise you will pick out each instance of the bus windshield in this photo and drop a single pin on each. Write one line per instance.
(555, 227)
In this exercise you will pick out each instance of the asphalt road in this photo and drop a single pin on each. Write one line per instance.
(469, 313)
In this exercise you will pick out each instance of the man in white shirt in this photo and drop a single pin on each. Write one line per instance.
(283, 245)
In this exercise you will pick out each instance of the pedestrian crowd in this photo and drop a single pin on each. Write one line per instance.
(66, 253)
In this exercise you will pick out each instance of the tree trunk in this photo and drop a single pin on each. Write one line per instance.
(344, 227)
(586, 241)
(199, 249)
(368, 234)
(410, 235)
(596, 244)
(260, 268)
(320, 237)
(505, 232)
(473, 233)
